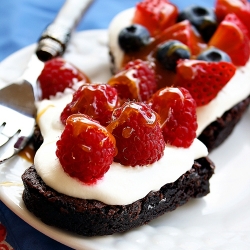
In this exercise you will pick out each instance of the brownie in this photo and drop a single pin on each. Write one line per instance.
(37, 138)
(217, 132)
(95, 218)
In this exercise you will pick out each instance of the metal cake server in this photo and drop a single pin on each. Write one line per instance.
(17, 100)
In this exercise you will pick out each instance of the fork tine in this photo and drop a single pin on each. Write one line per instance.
(7, 150)
(15, 132)
(14, 145)
(3, 139)
(9, 131)
(17, 142)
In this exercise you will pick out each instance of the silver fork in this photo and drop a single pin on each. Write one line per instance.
(17, 118)
(17, 100)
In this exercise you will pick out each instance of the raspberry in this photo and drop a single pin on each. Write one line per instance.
(139, 139)
(57, 75)
(95, 100)
(136, 82)
(177, 110)
(85, 149)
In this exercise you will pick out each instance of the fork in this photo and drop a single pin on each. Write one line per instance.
(17, 100)
(17, 118)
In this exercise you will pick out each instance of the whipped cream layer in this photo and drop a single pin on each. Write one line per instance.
(236, 90)
(121, 185)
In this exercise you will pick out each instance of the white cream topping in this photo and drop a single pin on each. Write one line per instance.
(236, 90)
(119, 22)
(120, 185)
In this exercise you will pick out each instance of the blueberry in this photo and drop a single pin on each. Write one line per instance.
(203, 19)
(170, 52)
(214, 55)
(133, 38)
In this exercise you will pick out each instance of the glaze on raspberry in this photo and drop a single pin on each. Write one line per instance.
(85, 149)
(136, 82)
(95, 100)
(177, 110)
(138, 135)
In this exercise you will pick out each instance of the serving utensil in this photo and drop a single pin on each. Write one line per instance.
(17, 100)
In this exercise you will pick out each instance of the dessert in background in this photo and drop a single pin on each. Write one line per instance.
(205, 50)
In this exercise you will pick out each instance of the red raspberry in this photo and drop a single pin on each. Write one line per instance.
(177, 110)
(95, 100)
(85, 149)
(57, 75)
(139, 139)
(136, 82)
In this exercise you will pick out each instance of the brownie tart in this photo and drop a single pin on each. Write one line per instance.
(105, 165)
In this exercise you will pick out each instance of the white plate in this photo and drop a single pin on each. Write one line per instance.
(221, 220)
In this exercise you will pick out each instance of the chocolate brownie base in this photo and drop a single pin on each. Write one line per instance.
(92, 218)
(37, 138)
(217, 132)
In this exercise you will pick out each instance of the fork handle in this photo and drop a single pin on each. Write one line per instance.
(55, 37)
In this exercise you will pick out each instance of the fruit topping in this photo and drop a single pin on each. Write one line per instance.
(135, 82)
(57, 75)
(155, 15)
(95, 100)
(241, 8)
(138, 135)
(203, 79)
(185, 33)
(170, 52)
(203, 19)
(177, 110)
(85, 149)
(231, 36)
(213, 54)
(133, 38)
